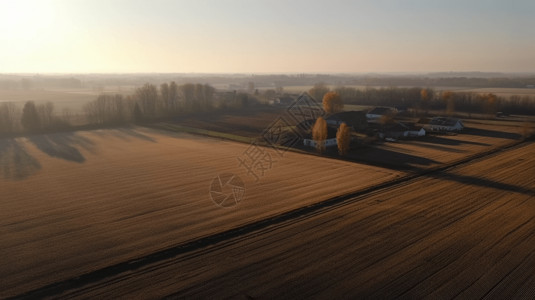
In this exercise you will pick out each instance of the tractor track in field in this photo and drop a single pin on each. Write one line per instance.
(295, 215)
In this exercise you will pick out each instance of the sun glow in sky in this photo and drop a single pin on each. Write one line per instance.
(255, 36)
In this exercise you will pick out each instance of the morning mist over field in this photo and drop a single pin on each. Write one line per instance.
(267, 149)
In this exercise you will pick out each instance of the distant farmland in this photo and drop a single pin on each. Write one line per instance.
(73, 99)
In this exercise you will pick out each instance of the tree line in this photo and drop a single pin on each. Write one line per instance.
(423, 100)
(33, 118)
(149, 103)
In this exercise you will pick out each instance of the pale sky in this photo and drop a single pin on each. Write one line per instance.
(262, 36)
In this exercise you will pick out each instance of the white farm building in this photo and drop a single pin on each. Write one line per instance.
(328, 142)
(442, 124)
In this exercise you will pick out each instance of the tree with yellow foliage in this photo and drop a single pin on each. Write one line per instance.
(318, 91)
(343, 138)
(447, 96)
(332, 102)
(424, 95)
(319, 133)
(490, 104)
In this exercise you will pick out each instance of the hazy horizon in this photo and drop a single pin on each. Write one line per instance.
(266, 37)
(386, 73)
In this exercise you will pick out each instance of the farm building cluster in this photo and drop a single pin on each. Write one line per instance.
(378, 122)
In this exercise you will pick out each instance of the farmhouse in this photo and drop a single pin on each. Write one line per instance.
(329, 142)
(415, 131)
(396, 130)
(354, 119)
(441, 124)
(285, 100)
(379, 112)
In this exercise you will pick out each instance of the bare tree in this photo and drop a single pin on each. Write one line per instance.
(8, 122)
(173, 97)
(208, 96)
(107, 109)
(147, 95)
(318, 91)
(188, 93)
(46, 114)
(137, 114)
(30, 117)
(165, 103)
(197, 97)
(67, 115)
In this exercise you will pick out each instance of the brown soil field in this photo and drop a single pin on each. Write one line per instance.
(247, 122)
(436, 150)
(71, 203)
(467, 232)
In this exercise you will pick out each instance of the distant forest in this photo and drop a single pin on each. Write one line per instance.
(426, 99)
(151, 102)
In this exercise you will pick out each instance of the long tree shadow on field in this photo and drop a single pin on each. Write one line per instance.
(482, 182)
(433, 139)
(390, 159)
(437, 147)
(135, 134)
(124, 133)
(63, 145)
(15, 162)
